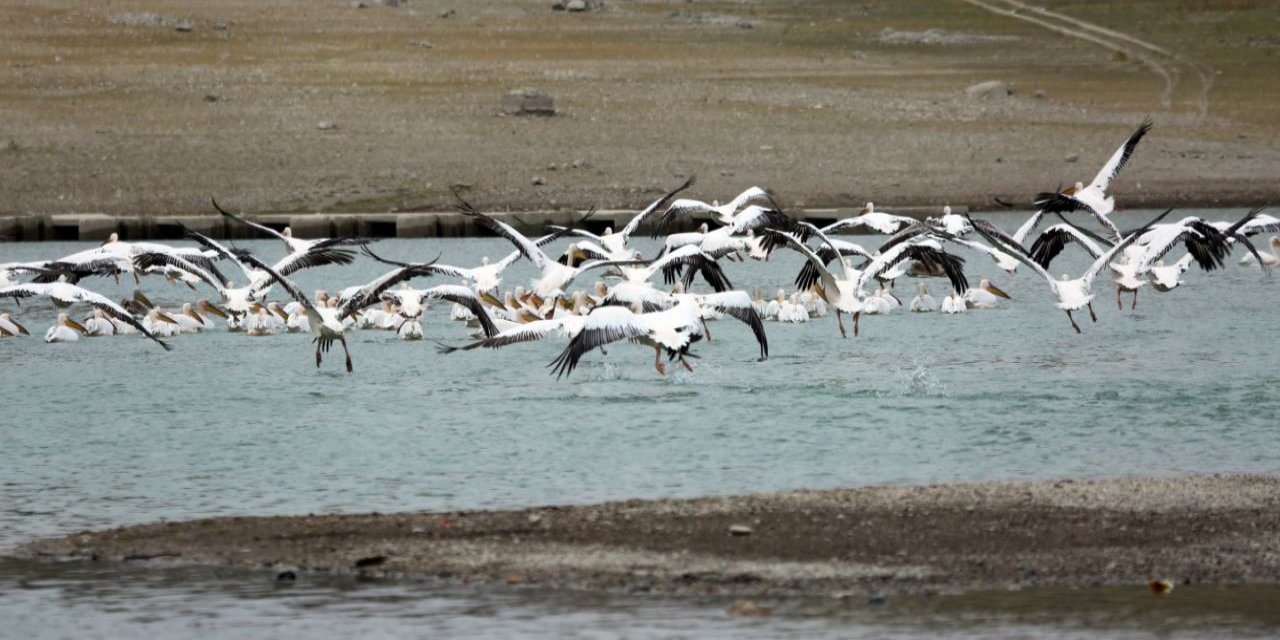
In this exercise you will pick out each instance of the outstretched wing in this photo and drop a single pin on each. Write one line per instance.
(1118, 159)
(603, 325)
(653, 207)
(738, 305)
(465, 297)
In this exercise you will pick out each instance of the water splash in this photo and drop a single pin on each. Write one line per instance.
(919, 380)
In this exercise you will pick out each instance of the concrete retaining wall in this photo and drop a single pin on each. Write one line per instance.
(97, 226)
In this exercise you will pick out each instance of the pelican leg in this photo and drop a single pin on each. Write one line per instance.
(1135, 300)
(840, 319)
(705, 329)
(348, 353)
(688, 367)
(1119, 304)
(317, 355)
(1092, 316)
(1073, 322)
(856, 317)
(657, 361)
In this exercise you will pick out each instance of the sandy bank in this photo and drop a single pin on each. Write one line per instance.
(1201, 529)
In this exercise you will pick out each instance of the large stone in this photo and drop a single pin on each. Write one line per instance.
(990, 90)
(525, 102)
(575, 5)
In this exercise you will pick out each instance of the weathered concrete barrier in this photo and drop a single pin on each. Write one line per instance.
(97, 226)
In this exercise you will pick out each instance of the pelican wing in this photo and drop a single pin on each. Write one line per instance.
(678, 209)
(998, 238)
(928, 252)
(1105, 259)
(756, 216)
(528, 248)
(738, 305)
(1030, 224)
(371, 292)
(70, 294)
(604, 325)
(809, 273)
(1118, 159)
(671, 265)
(260, 227)
(465, 297)
(825, 275)
(527, 332)
(155, 258)
(653, 207)
(1053, 240)
(217, 247)
(312, 313)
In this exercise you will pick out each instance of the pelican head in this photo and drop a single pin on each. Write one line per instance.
(946, 210)
(322, 297)
(678, 289)
(6, 318)
(1065, 278)
(66, 321)
(114, 237)
(288, 232)
(869, 208)
(608, 231)
(208, 307)
(780, 296)
(986, 285)
(1275, 243)
(703, 228)
(484, 261)
(921, 289)
(601, 288)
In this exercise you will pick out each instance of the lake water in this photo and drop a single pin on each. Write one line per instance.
(113, 431)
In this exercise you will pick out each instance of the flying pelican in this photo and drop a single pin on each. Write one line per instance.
(1094, 198)
(70, 294)
(613, 246)
(742, 213)
(327, 327)
(321, 250)
(1072, 295)
(879, 221)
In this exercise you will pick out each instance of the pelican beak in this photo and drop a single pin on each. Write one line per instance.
(822, 293)
(189, 285)
(280, 312)
(5, 333)
(213, 308)
(528, 316)
(536, 301)
(76, 325)
(142, 299)
(191, 313)
(997, 292)
(164, 317)
(492, 301)
(257, 307)
(565, 304)
(21, 329)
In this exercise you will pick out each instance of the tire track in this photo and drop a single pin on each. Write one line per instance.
(1107, 39)
(1204, 72)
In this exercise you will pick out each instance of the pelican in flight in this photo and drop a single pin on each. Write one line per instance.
(326, 326)
(321, 250)
(69, 294)
(1072, 294)
(613, 246)
(1093, 197)
(742, 213)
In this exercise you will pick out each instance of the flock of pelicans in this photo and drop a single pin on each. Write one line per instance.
(669, 317)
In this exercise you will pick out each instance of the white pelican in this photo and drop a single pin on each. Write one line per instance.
(953, 303)
(1094, 198)
(10, 327)
(1076, 294)
(69, 294)
(923, 302)
(411, 301)
(1126, 279)
(741, 213)
(161, 324)
(553, 276)
(878, 221)
(321, 250)
(326, 327)
(260, 323)
(1268, 259)
(1167, 278)
(98, 325)
(66, 330)
(985, 296)
(613, 246)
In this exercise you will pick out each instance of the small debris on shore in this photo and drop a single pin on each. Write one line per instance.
(747, 608)
(990, 90)
(325, 125)
(739, 530)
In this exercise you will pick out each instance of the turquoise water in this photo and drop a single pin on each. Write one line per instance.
(113, 431)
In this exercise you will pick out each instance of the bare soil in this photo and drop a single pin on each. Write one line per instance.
(913, 539)
(151, 106)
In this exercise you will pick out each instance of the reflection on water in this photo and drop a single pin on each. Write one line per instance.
(46, 600)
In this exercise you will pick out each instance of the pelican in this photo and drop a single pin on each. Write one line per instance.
(161, 324)
(879, 221)
(326, 327)
(1268, 259)
(985, 296)
(10, 327)
(321, 250)
(1076, 294)
(98, 325)
(1126, 279)
(66, 330)
(923, 302)
(1167, 278)
(953, 303)
(260, 323)
(742, 213)
(69, 294)
(613, 246)
(1094, 198)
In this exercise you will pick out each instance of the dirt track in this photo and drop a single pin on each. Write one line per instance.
(108, 108)
(1193, 530)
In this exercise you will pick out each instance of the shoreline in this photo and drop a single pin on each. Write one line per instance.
(1215, 530)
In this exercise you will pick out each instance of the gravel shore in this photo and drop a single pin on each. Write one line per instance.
(1221, 529)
